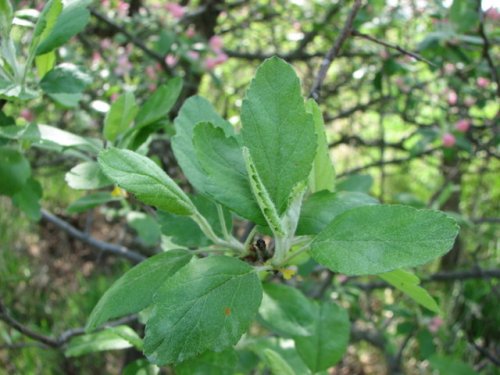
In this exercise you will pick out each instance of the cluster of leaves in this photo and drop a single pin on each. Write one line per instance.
(275, 173)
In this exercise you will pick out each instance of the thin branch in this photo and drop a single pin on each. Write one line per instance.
(334, 51)
(48, 341)
(451, 276)
(386, 162)
(86, 238)
(392, 46)
(133, 39)
(486, 52)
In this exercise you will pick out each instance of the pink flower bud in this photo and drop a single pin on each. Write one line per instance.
(151, 72)
(106, 43)
(96, 58)
(462, 125)
(435, 324)
(193, 55)
(122, 9)
(483, 82)
(492, 14)
(469, 101)
(114, 96)
(452, 97)
(190, 32)
(449, 68)
(212, 62)
(170, 60)
(27, 114)
(177, 11)
(448, 140)
(216, 43)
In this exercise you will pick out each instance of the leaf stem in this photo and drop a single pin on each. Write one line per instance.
(222, 222)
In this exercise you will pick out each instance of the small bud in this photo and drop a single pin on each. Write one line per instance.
(448, 140)
(462, 125)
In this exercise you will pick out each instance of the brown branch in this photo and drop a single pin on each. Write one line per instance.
(334, 51)
(105, 247)
(392, 46)
(48, 341)
(133, 39)
(450, 276)
(486, 53)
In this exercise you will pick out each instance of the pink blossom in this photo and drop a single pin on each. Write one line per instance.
(448, 140)
(452, 97)
(462, 125)
(194, 55)
(96, 58)
(449, 68)
(27, 115)
(212, 62)
(106, 43)
(114, 96)
(151, 72)
(122, 8)
(177, 11)
(216, 43)
(469, 101)
(435, 324)
(170, 60)
(105, 3)
(124, 66)
(483, 82)
(492, 14)
(190, 32)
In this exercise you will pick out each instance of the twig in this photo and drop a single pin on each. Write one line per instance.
(48, 341)
(334, 51)
(486, 52)
(133, 39)
(392, 46)
(86, 238)
(476, 273)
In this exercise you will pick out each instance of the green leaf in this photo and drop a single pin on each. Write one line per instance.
(322, 175)
(408, 283)
(376, 239)
(147, 228)
(14, 171)
(45, 63)
(140, 367)
(220, 363)
(287, 311)
(90, 201)
(120, 116)
(86, 176)
(277, 130)
(194, 110)
(277, 364)
(207, 305)
(464, 15)
(159, 104)
(185, 232)
(6, 17)
(134, 291)
(46, 22)
(65, 79)
(44, 134)
(70, 21)
(446, 365)
(222, 160)
(358, 182)
(328, 343)
(322, 207)
(28, 199)
(109, 339)
(262, 197)
(141, 176)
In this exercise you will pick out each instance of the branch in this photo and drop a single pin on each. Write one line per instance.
(134, 40)
(105, 247)
(392, 46)
(48, 341)
(334, 51)
(486, 53)
(386, 162)
(451, 276)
